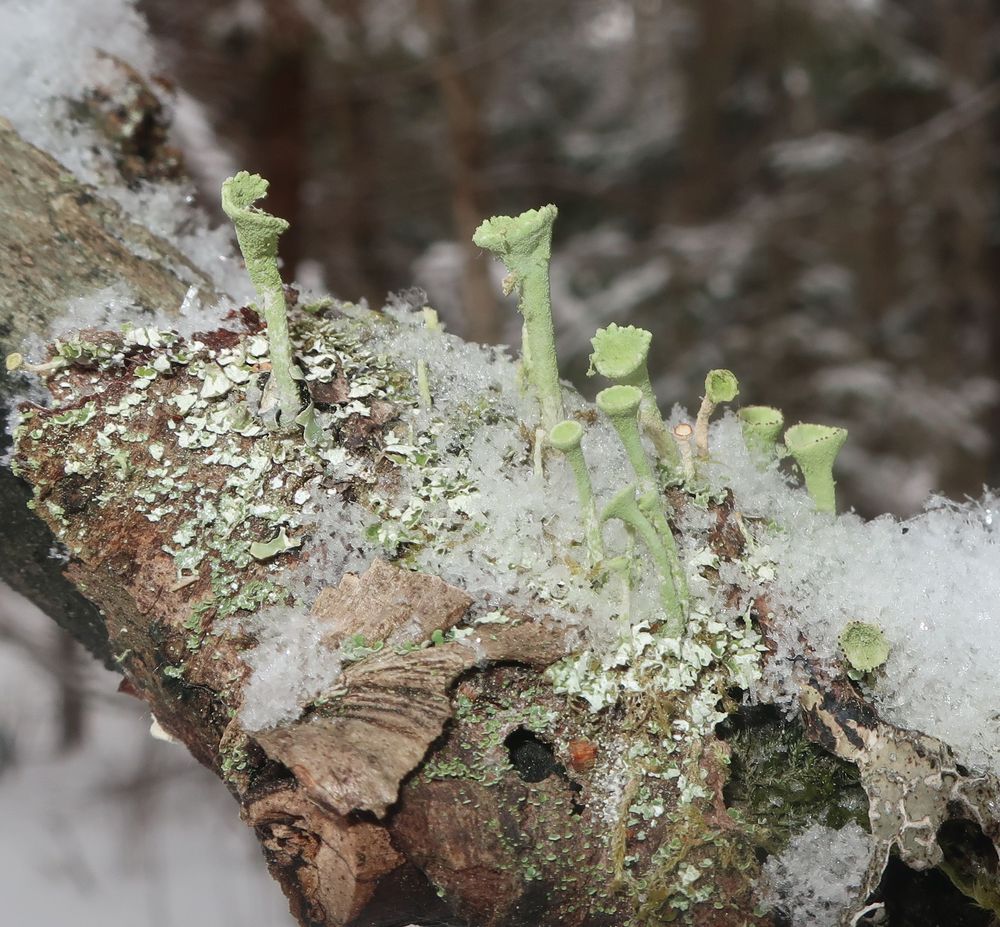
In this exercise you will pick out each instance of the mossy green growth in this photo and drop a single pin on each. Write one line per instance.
(621, 354)
(524, 244)
(625, 507)
(258, 233)
(720, 386)
(815, 447)
(761, 426)
(780, 783)
(621, 405)
(566, 438)
(864, 645)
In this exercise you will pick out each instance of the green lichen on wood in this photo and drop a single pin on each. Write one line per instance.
(258, 233)
(625, 507)
(815, 448)
(720, 386)
(621, 354)
(566, 437)
(524, 244)
(864, 646)
(761, 427)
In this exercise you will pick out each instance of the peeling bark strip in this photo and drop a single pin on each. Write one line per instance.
(388, 604)
(329, 866)
(394, 707)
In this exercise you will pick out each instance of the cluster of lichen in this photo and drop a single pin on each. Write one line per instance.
(524, 244)
(232, 410)
(620, 354)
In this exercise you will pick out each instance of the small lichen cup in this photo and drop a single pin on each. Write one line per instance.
(815, 448)
(761, 427)
(621, 355)
(720, 386)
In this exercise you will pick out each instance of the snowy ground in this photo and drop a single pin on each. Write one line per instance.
(125, 831)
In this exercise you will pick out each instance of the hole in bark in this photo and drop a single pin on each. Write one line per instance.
(533, 759)
(927, 899)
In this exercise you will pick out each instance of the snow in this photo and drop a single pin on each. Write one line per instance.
(52, 51)
(931, 583)
(818, 875)
(49, 54)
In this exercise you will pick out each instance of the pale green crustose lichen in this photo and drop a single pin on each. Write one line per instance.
(815, 447)
(258, 233)
(720, 386)
(524, 244)
(566, 437)
(621, 354)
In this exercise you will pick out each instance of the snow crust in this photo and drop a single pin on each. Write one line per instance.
(931, 583)
(818, 875)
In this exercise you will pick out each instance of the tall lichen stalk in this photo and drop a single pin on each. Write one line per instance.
(258, 233)
(524, 244)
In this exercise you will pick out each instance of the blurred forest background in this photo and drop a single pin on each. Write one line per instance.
(805, 191)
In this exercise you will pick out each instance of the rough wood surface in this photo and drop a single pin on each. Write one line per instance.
(60, 240)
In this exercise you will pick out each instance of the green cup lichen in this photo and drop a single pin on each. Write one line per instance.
(621, 405)
(815, 447)
(864, 645)
(258, 233)
(625, 508)
(524, 244)
(720, 386)
(761, 426)
(621, 354)
(566, 438)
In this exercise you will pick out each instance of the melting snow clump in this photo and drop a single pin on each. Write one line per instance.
(818, 875)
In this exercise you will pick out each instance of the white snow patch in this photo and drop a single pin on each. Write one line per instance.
(931, 583)
(818, 875)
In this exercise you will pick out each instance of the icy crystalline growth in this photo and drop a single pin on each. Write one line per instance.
(290, 666)
(932, 584)
(50, 54)
(817, 876)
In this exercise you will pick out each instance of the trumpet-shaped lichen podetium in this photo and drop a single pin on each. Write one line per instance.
(621, 405)
(524, 244)
(257, 233)
(621, 354)
(815, 447)
(566, 437)
(720, 386)
(761, 426)
(625, 508)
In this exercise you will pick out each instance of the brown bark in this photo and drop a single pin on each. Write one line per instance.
(452, 764)
(61, 240)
